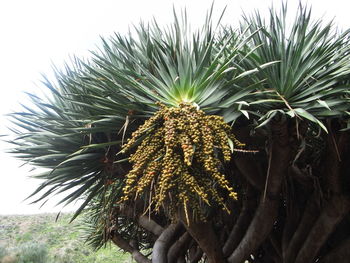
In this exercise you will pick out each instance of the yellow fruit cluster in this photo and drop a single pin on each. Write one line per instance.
(178, 158)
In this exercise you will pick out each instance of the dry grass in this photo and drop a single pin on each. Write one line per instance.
(42, 237)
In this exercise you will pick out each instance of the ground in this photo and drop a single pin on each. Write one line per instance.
(41, 235)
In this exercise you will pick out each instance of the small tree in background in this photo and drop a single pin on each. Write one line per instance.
(220, 145)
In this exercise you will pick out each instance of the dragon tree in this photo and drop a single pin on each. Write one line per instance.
(220, 144)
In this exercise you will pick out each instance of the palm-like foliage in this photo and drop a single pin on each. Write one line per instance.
(77, 132)
(308, 81)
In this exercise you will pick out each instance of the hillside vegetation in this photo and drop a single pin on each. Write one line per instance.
(40, 239)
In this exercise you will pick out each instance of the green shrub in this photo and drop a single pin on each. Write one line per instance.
(3, 252)
(32, 253)
(6, 255)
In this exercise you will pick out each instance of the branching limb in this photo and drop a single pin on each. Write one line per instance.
(267, 211)
(339, 201)
(277, 250)
(311, 212)
(181, 259)
(250, 170)
(332, 214)
(242, 223)
(205, 237)
(123, 244)
(341, 254)
(196, 255)
(297, 179)
(144, 221)
(150, 225)
(257, 232)
(179, 248)
(163, 243)
(271, 254)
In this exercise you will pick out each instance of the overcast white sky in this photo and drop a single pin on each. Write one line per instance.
(34, 34)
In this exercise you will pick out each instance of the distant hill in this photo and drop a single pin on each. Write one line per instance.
(39, 239)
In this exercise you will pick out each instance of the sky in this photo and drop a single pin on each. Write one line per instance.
(36, 34)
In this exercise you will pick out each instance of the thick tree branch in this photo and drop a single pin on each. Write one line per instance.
(332, 214)
(257, 232)
(144, 221)
(249, 169)
(311, 212)
(163, 243)
(196, 255)
(341, 254)
(244, 219)
(300, 184)
(266, 214)
(205, 237)
(337, 145)
(181, 259)
(339, 202)
(150, 225)
(271, 254)
(277, 249)
(123, 244)
(179, 247)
